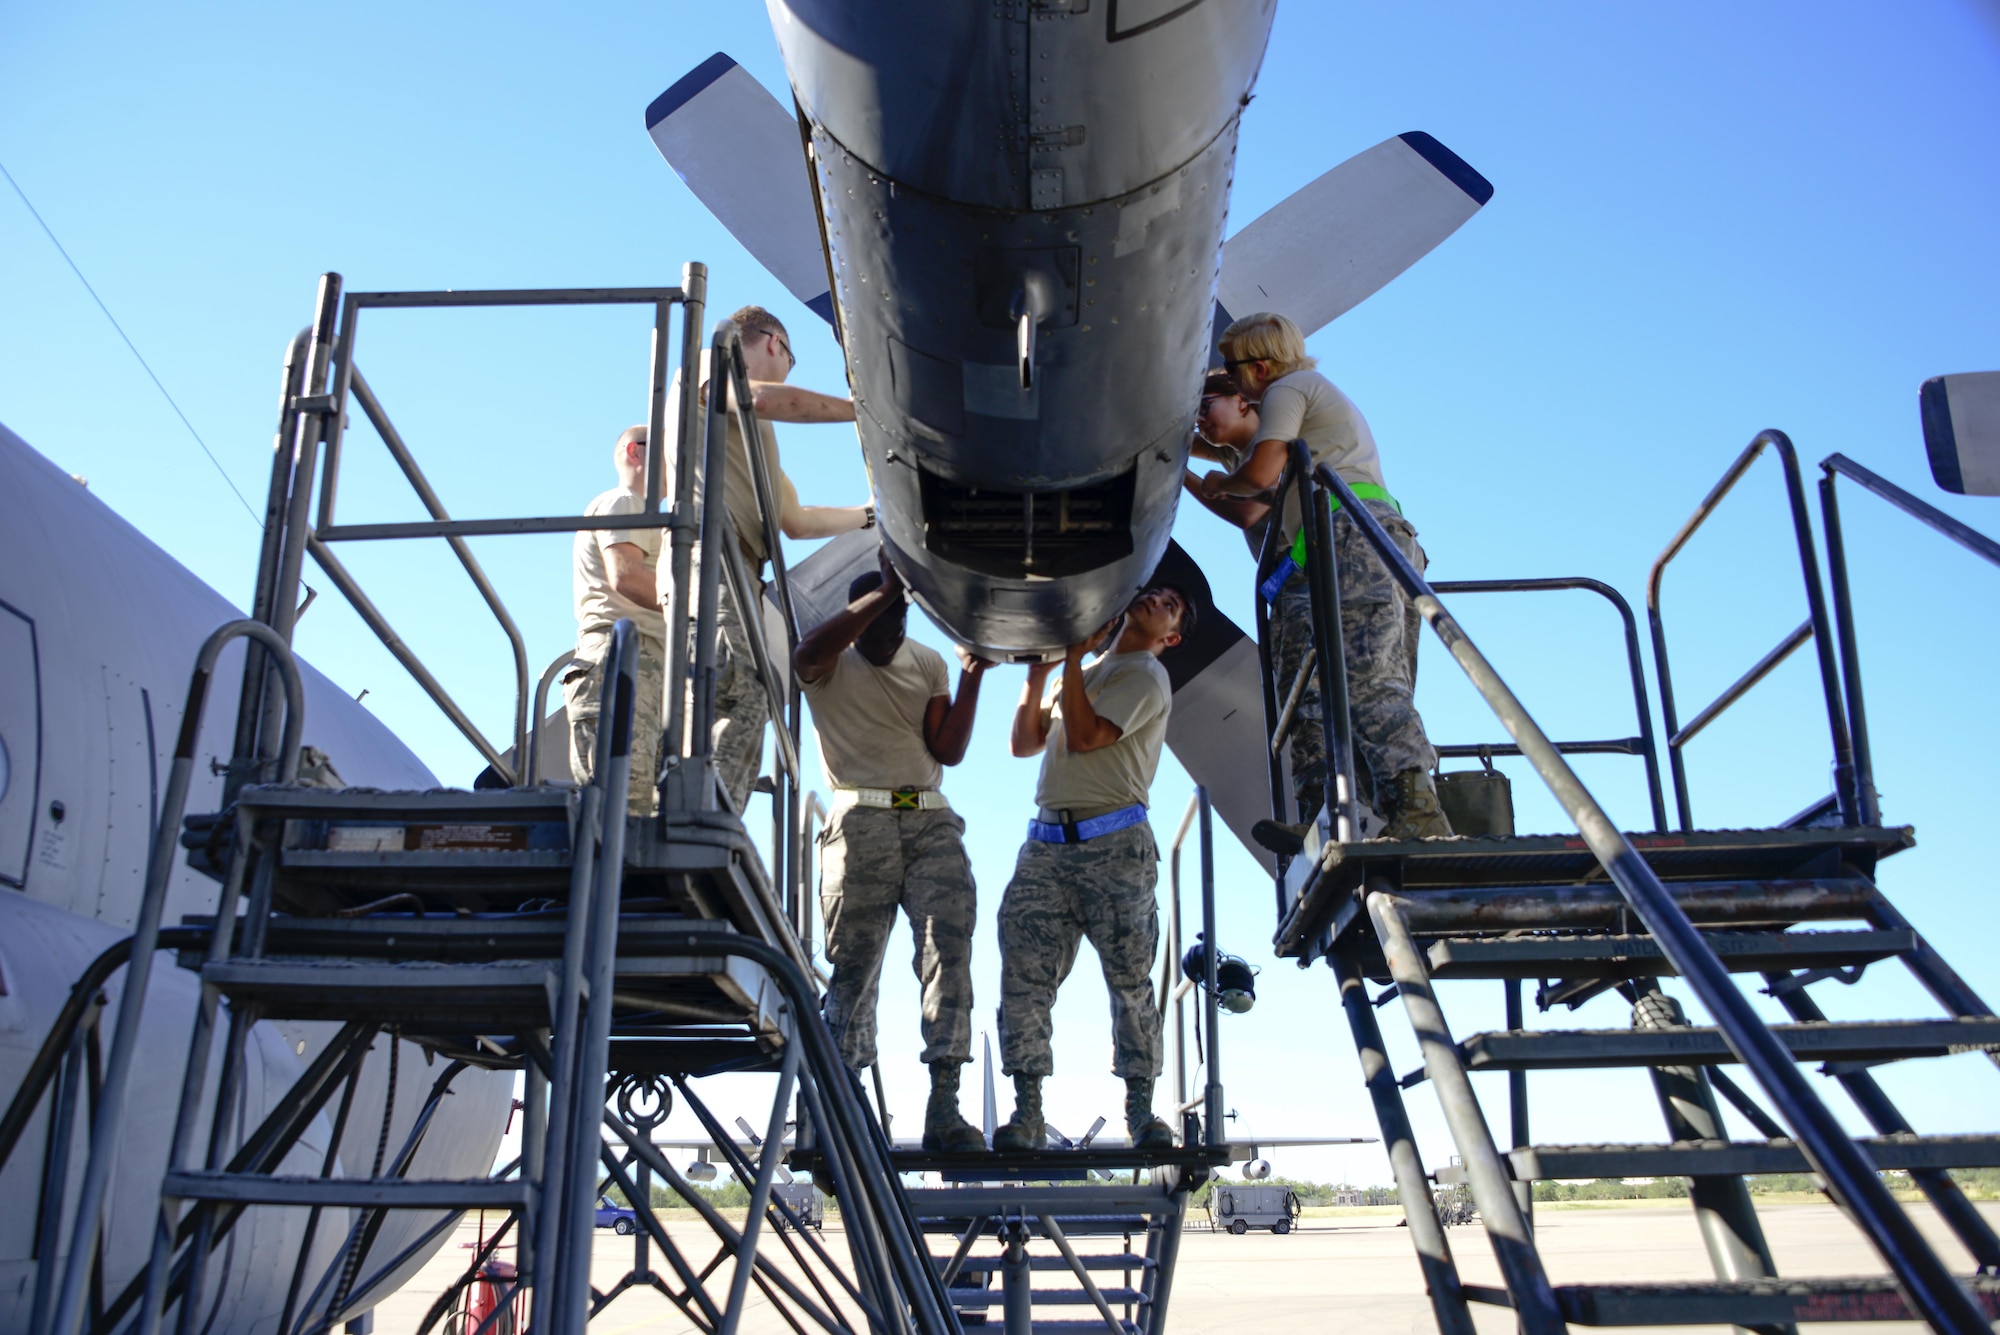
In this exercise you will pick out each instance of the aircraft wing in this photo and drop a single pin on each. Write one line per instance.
(1256, 1143)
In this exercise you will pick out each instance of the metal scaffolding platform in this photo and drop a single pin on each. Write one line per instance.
(1609, 912)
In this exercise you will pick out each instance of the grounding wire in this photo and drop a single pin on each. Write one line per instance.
(144, 365)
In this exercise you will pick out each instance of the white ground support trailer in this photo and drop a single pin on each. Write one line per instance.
(806, 1200)
(1242, 1206)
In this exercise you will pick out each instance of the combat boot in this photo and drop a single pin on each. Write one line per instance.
(1148, 1132)
(944, 1128)
(1418, 815)
(1025, 1131)
(1287, 841)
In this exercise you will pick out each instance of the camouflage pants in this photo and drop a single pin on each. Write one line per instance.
(1380, 629)
(871, 862)
(742, 707)
(583, 699)
(1060, 894)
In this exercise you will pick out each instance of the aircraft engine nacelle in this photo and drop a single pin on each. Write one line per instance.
(1257, 1170)
(1024, 206)
(701, 1170)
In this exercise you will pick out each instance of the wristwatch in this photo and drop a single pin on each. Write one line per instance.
(868, 516)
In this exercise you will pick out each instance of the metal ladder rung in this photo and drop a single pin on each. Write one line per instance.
(1091, 1261)
(1869, 1041)
(1620, 956)
(1765, 1302)
(1053, 1297)
(492, 997)
(391, 1193)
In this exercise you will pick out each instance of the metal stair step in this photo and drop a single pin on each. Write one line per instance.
(1074, 1207)
(401, 1193)
(1714, 1158)
(994, 1297)
(490, 997)
(1091, 1261)
(1619, 956)
(455, 805)
(1702, 1045)
(1763, 1302)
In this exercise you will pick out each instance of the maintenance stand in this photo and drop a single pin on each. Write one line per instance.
(1607, 911)
(616, 962)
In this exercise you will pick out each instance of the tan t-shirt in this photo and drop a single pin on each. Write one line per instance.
(739, 482)
(870, 720)
(598, 604)
(1306, 406)
(1132, 691)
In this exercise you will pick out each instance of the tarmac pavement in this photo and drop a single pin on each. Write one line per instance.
(1354, 1274)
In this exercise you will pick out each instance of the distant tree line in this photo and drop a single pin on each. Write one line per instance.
(1978, 1183)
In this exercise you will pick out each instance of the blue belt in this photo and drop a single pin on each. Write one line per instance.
(1076, 832)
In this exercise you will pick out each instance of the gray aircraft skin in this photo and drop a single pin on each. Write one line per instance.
(978, 167)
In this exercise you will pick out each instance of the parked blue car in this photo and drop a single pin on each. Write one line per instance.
(620, 1219)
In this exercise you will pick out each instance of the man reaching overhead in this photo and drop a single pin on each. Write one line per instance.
(741, 706)
(1090, 864)
(1265, 355)
(886, 730)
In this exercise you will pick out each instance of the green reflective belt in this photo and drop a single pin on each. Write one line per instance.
(1366, 491)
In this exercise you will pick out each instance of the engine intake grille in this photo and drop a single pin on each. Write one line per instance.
(1014, 534)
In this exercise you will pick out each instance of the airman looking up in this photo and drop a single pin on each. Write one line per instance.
(886, 729)
(1090, 864)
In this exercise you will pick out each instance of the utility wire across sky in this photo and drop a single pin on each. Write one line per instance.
(144, 365)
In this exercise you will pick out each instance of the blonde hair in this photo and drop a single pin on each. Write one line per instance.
(1268, 337)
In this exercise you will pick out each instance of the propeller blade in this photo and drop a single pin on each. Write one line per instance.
(1962, 431)
(738, 149)
(756, 1141)
(1336, 242)
(1091, 1134)
(1057, 1138)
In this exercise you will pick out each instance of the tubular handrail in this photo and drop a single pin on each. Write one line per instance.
(110, 1105)
(371, 616)
(49, 1056)
(811, 812)
(1922, 511)
(1850, 1176)
(1198, 814)
(786, 705)
(321, 377)
(1643, 745)
(1818, 627)
(420, 484)
(1843, 599)
(531, 772)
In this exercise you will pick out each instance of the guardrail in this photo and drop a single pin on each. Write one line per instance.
(1849, 1175)
(1816, 627)
(1831, 468)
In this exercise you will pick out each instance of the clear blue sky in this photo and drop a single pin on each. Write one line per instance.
(1707, 221)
